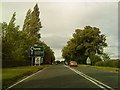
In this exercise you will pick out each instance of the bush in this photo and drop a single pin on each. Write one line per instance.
(118, 64)
(94, 59)
(100, 63)
(6, 64)
(109, 63)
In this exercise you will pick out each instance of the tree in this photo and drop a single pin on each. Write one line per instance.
(27, 21)
(16, 43)
(32, 27)
(32, 24)
(11, 39)
(30, 30)
(85, 43)
(9, 35)
(105, 56)
(94, 59)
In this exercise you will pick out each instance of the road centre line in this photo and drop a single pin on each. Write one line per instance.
(26, 78)
(96, 82)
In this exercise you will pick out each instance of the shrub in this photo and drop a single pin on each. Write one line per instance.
(109, 63)
(15, 63)
(94, 59)
(100, 63)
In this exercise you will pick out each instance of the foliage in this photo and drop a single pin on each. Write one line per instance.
(94, 59)
(109, 63)
(105, 56)
(16, 43)
(32, 24)
(10, 40)
(85, 43)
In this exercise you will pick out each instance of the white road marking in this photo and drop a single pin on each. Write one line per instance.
(25, 78)
(96, 82)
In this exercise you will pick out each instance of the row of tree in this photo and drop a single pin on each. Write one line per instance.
(85, 43)
(16, 43)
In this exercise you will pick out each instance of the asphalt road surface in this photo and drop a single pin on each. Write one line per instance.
(63, 76)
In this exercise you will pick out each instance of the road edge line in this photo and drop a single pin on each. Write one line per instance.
(90, 79)
(25, 78)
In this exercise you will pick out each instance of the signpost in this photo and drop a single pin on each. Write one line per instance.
(37, 60)
(37, 52)
(88, 61)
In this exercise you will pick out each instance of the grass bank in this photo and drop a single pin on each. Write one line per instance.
(15, 74)
(102, 68)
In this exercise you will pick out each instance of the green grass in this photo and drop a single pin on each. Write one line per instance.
(14, 74)
(102, 68)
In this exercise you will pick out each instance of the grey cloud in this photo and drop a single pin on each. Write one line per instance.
(56, 42)
(59, 20)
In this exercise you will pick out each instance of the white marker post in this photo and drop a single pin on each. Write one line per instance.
(32, 62)
(37, 61)
(88, 61)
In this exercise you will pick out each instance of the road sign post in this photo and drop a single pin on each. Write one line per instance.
(88, 61)
(37, 60)
(32, 61)
(38, 53)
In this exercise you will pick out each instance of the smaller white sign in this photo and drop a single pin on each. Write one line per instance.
(88, 61)
(37, 60)
(37, 48)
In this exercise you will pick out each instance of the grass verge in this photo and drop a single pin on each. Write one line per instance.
(102, 68)
(15, 74)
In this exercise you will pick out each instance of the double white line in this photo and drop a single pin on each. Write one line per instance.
(96, 82)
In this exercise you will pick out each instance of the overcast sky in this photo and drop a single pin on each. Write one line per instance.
(60, 19)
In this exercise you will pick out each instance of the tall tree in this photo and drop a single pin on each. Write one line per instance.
(16, 43)
(85, 43)
(32, 27)
(10, 33)
(27, 22)
(32, 24)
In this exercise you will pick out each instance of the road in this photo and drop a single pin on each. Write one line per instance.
(62, 76)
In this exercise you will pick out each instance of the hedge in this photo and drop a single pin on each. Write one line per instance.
(15, 63)
(110, 63)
